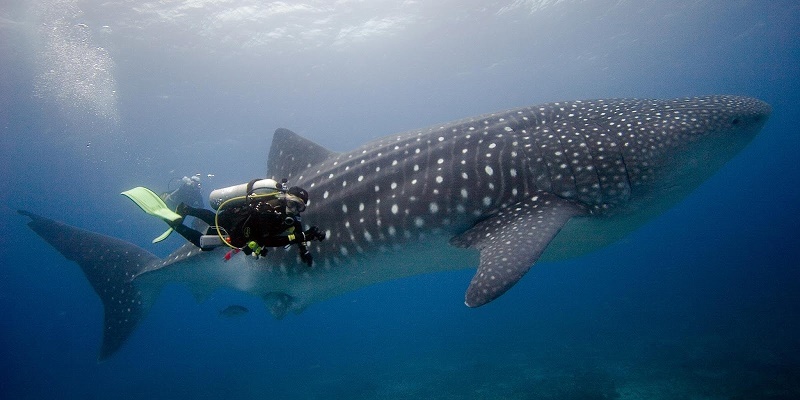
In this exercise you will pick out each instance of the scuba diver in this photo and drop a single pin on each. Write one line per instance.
(188, 192)
(250, 217)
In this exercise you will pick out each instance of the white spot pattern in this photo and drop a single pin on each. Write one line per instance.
(594, 153)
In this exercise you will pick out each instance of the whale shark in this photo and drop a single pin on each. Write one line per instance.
(499, 192)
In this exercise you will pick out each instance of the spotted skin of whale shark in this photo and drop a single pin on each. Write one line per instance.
(499, 191)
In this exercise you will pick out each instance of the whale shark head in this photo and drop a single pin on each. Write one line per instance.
(696, 138)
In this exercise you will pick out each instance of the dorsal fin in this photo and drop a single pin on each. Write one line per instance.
(291, 153)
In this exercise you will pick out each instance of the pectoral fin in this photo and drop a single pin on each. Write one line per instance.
(511, 241)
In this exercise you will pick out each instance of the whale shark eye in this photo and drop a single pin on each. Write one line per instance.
(735, 121)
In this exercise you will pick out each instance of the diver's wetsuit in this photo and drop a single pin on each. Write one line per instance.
(258, 222)
(262, 228)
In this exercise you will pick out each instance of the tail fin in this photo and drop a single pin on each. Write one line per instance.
(110, 265)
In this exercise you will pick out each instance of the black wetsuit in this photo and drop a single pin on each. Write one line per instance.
(259, 221)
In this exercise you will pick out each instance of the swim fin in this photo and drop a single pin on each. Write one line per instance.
(152, 204)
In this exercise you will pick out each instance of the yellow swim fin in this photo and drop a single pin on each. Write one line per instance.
(163, 235)
(150, 203)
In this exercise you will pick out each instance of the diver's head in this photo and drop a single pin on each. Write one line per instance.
(191, 182)
(296, 200)
(297, 191)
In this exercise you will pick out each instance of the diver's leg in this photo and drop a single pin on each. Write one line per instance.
(190, 234)
(206, 216)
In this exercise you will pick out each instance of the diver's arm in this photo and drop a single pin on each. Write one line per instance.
(305, 255)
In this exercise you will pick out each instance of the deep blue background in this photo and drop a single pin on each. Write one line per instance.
(703, 302)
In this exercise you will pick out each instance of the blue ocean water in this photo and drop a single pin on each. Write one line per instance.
(97, 97)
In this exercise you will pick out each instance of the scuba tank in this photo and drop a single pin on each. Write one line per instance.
(259, 187)
(242, 206)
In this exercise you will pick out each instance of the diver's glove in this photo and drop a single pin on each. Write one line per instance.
(306, 257)
(314, 233)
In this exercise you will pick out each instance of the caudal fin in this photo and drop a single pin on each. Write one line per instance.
(110, 265)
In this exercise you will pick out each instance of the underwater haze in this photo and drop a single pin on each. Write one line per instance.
(97, 97)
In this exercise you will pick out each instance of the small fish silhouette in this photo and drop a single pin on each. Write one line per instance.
(233, 311)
